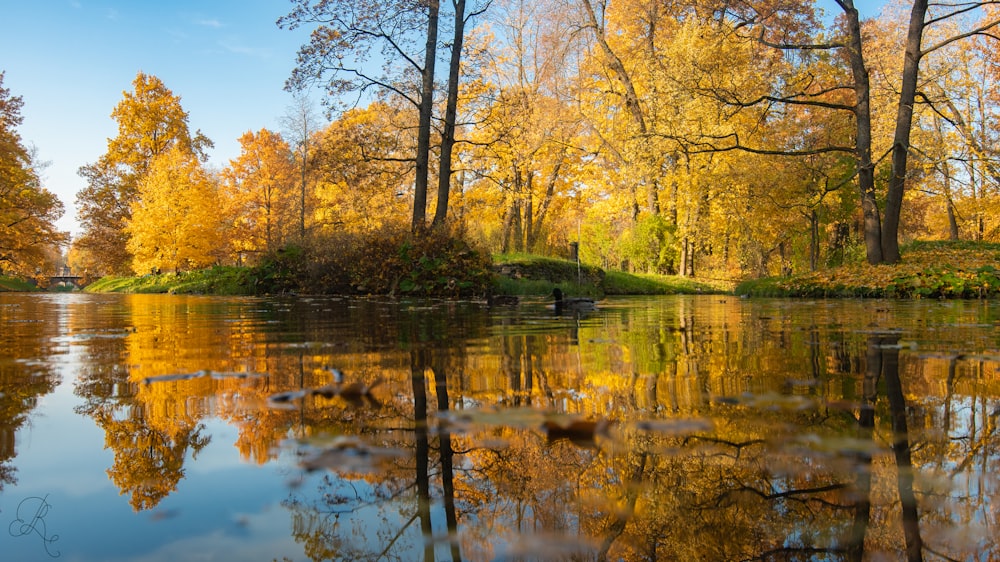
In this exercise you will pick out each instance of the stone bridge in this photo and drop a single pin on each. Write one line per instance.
(64, 280)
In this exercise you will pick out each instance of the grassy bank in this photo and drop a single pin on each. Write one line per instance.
(526, 274)
(214, 281)
(14, 284)
(515, 274)
(927, 270)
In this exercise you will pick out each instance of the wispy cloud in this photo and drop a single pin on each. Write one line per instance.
(214, 23)
(242, 49)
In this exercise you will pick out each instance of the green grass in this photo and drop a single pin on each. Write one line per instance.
(621, 283)
(214, 281)
(928, 269)
(526, 274)
(14, 284)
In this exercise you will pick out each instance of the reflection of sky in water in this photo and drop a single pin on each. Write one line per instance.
(61, 454)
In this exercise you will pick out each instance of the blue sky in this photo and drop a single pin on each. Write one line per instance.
(71, 60)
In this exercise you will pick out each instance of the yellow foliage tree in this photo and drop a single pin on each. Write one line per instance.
(361, 171)
(150, 122)
(175, 221)
(259, 195)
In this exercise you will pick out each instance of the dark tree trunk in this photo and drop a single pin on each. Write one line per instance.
(450, 115)
(813, 241)
(901, 138)
(863, 147)
(424, 124)
(529, 226)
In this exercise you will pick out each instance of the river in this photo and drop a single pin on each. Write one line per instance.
(162, 428)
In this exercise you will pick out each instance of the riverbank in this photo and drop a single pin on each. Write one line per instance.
(514, 274)
(938, 269)
(927, 270)
(12, 284)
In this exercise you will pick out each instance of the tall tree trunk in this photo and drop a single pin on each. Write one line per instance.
(901, 137)
(302, 194)
(518, 226)
(543, 207)
(424, 124)
(863, 148)
(949, 203)
(450, 115)
(528, 218)
(813, 241)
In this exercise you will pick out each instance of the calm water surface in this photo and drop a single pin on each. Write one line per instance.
(163, 428)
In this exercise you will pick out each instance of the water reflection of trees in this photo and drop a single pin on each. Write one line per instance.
(148, 456)
(26, 338)
(814, 458)
(735, 430)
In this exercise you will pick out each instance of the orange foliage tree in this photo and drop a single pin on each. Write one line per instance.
(259, 195)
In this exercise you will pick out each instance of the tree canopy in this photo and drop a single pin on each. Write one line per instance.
(151, 122)
(733, 139)
(28, 211)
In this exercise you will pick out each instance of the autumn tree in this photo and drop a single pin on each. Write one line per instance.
(463, 13)
(259, 194)
(174, 221)
(526, 138)
(360, 171)
(150, 121)
(300, 123)
(405, 35)
(28, 211)
(780, 27)
(346, 37)
(623, 82)
(953, 161)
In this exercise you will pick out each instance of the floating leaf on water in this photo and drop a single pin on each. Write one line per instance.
(328, 391)
(288, 396)
(770, 401)
(548, 546)
(523, 418)
(972, 536)
(675, 426)
(575, 429)
(199, 374)
(163, 514)
(840, 444)
(844, 405)
(235, 375)
(808, 383)
(354, 391)
(357, 389)
(349, 454)
(175, 377)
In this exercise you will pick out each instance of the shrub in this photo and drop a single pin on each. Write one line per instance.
(391, 261)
